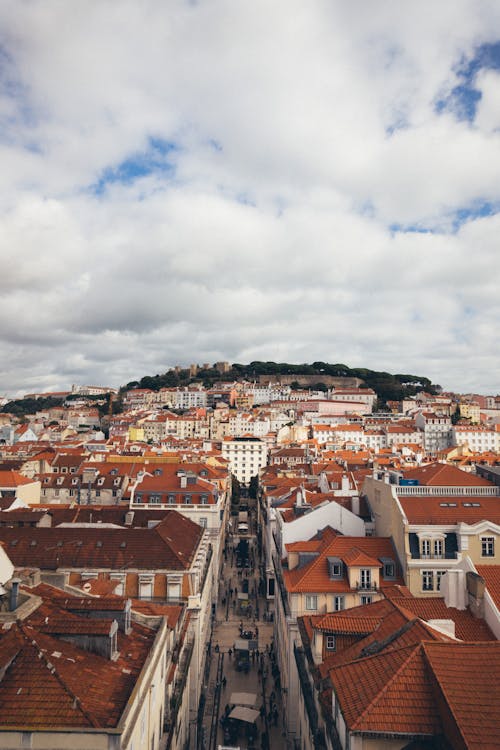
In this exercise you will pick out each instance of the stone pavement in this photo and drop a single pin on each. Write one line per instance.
(224, 679)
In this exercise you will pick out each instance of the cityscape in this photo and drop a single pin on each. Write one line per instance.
(249, 375)
(292, 561)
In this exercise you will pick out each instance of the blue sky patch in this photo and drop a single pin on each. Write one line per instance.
(450, 221)
(157, 158)
(463, 99)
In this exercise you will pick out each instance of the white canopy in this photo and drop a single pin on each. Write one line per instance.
(242, 713)
(243, 699)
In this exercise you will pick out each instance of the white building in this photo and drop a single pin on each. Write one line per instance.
(477, 439)
(437, 431)
(246, 456)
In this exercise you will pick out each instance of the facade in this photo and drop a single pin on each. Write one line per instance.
(421, 686)
(326, 574)
(81, 673)
(435, 525)
(246, 457)
(437, 431)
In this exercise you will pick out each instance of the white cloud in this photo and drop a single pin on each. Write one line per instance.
(302, 133)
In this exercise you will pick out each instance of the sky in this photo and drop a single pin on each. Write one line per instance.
(189, 182)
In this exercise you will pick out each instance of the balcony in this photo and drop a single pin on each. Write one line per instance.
(366, 586)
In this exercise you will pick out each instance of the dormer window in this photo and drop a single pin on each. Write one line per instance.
(432, 547)
(335, 567)
(389, 568)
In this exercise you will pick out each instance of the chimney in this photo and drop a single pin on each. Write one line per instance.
(355, 505)
(129, 518)
(345, 483)
(453, 587)
(475, 593)
(14, 593)
(317, 647)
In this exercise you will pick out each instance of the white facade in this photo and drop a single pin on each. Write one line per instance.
(437, 431)
(245, 456)
(478, 439)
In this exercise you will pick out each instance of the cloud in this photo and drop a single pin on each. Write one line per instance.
(201, 181)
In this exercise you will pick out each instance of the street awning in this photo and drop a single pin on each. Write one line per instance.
(243, 699)
(242, 644)
(242, 713)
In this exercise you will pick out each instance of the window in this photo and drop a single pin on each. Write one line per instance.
(487, 546)
(438, 548)
(427, 580)
(339, 603)
(335, 567)
(174, 588)
(365, 578)
(311, 602)
(171, 499)
(330, 642)
(203, 523)
(389, 567)
(439, 575)
(145, 586)
(154, 499)
(187, 499)
(425, 548)
(366, 599)
(204, 499)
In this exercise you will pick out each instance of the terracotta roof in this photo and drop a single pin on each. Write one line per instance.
(421, 509)
(372, 682)
(466, 674)
(171, 545)
(374, 693)
(50, 683)
(13, 479)
(314, 576)
(491, 575)
(436, 475)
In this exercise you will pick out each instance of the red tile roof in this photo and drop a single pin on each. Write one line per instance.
(491, 575)
(50, 683)
(468, 676)
(171, 545)
(450, 510)
(424, 687)
(436, 474)
(314, 576)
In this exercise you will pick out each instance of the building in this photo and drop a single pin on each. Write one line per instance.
(437, 515)
(246, 457)
(393, 674)
(328, 573)
(81, 672)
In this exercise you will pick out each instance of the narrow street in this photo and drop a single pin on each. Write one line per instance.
(242, 680)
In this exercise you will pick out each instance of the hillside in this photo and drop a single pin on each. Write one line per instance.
(386, 385)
